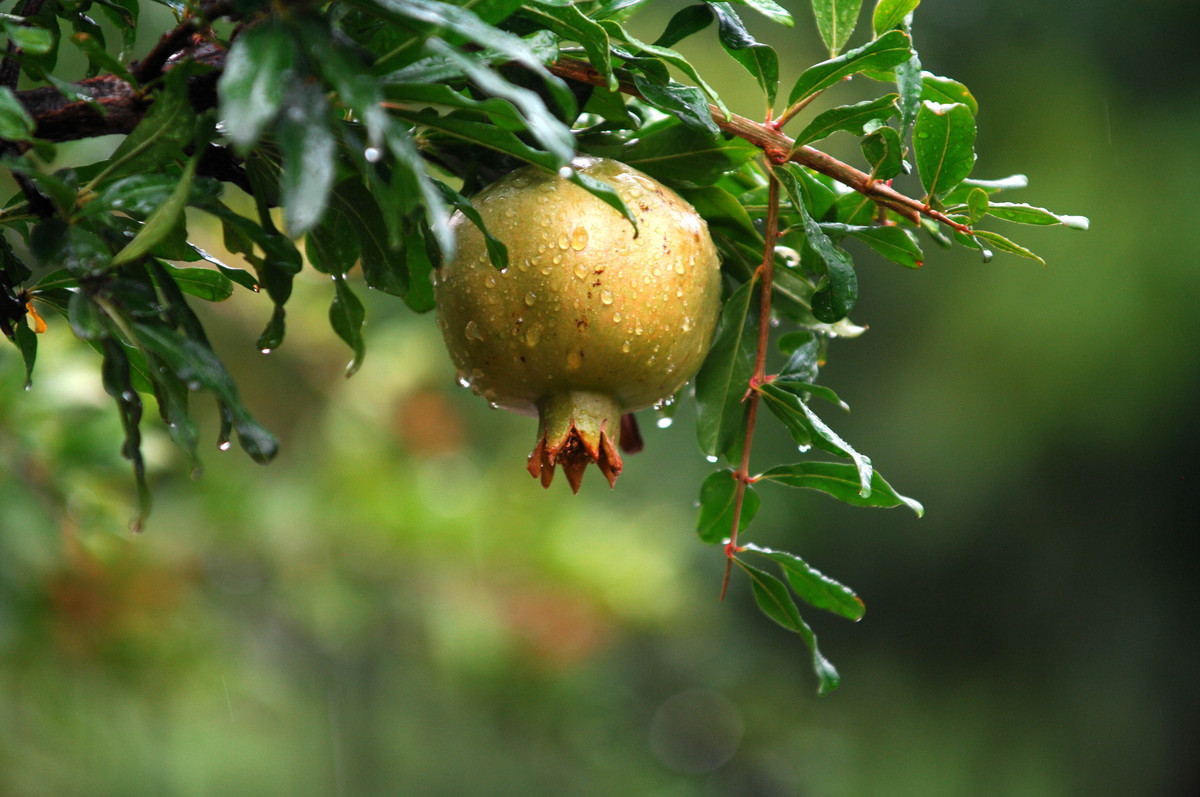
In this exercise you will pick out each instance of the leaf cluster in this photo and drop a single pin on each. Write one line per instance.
(358, 127)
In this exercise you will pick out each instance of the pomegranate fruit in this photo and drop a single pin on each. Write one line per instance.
(588, 321)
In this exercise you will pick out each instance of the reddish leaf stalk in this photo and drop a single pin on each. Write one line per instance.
(766, 271)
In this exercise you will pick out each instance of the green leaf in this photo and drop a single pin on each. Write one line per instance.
(1028, 214)
(808, 429)
(977, 205)
(836, 20)
(771, 10)
(203, 283)
(685, 102)
(197, 367)
(897, 244)
(420, 267)
(838, 291)
(552, 134)
(160, 138)
(26, 341)
(759, 59)
(776, 602)
(1005, 245)
(805, 389)
(887, 51)
(163, 221)
(99, 59)
(725, 375)
(346, 316)
(383, 267)
(308, 150)
(841, 481)
(686, 22)
(116, 375)
(30, 39)
(497, 251)
(853, 118)
(814, 587)
(718, 500)
(945, 90)
(908, 81)
(944, 146)
(252, 86)
(667, 56)
(673, 152)
(15, 122)
(891, 13)
(570, 23)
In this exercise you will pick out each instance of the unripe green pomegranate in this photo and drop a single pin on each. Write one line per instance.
(588, 322)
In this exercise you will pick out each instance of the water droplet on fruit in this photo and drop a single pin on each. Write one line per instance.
(687, 324)
(637, 326)
(679, 269)
(626, 346)
(579, 239)
(532, 336)
(563, 241)
(606, 297)
(525, 265)
(471, 331)
(462, 380)
(616, 318)
(530, 298)
(574, 359)
(581, 270)
(491, 281)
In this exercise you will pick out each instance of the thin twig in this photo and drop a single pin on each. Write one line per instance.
(766, 272)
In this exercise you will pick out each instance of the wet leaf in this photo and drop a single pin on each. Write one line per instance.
(308, 150)
(252, 85)
(814, 587)
(725, 376)
(776, 602)
(718, 499)
(852, 118)
(1005, 245)
(346, 316)
(945, 90)
(885, 52)
(163, 222)
(15, 122)
(771, 10)
(944, 146)
(895, 243)
(836, 20)
(884, 151)
(891, 13)
(1028, 214)
(687, 103)
(808, 429)
(759, 59)
(843, 482)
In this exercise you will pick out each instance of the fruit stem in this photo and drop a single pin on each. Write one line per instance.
(766, 271)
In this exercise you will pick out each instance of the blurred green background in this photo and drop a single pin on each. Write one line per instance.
(395, 607)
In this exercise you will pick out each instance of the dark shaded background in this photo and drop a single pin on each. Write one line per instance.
(395, 607)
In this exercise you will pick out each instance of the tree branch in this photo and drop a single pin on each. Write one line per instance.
(781, 149)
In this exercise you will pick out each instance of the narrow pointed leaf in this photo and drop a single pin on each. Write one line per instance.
(346, 316)
(776, 602)
(1028, 214)
(836, 20)
(852, 118)
(252, 84)
(759, 59)
(885, 52)
(842, 482)
(808, 429)
(308, 149)
(814, 587)
(1005, 245)
(725, 376)
(685, 102)
(163, 221)
(895, 243)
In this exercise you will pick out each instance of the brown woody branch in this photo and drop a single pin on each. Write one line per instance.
(779, 148)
